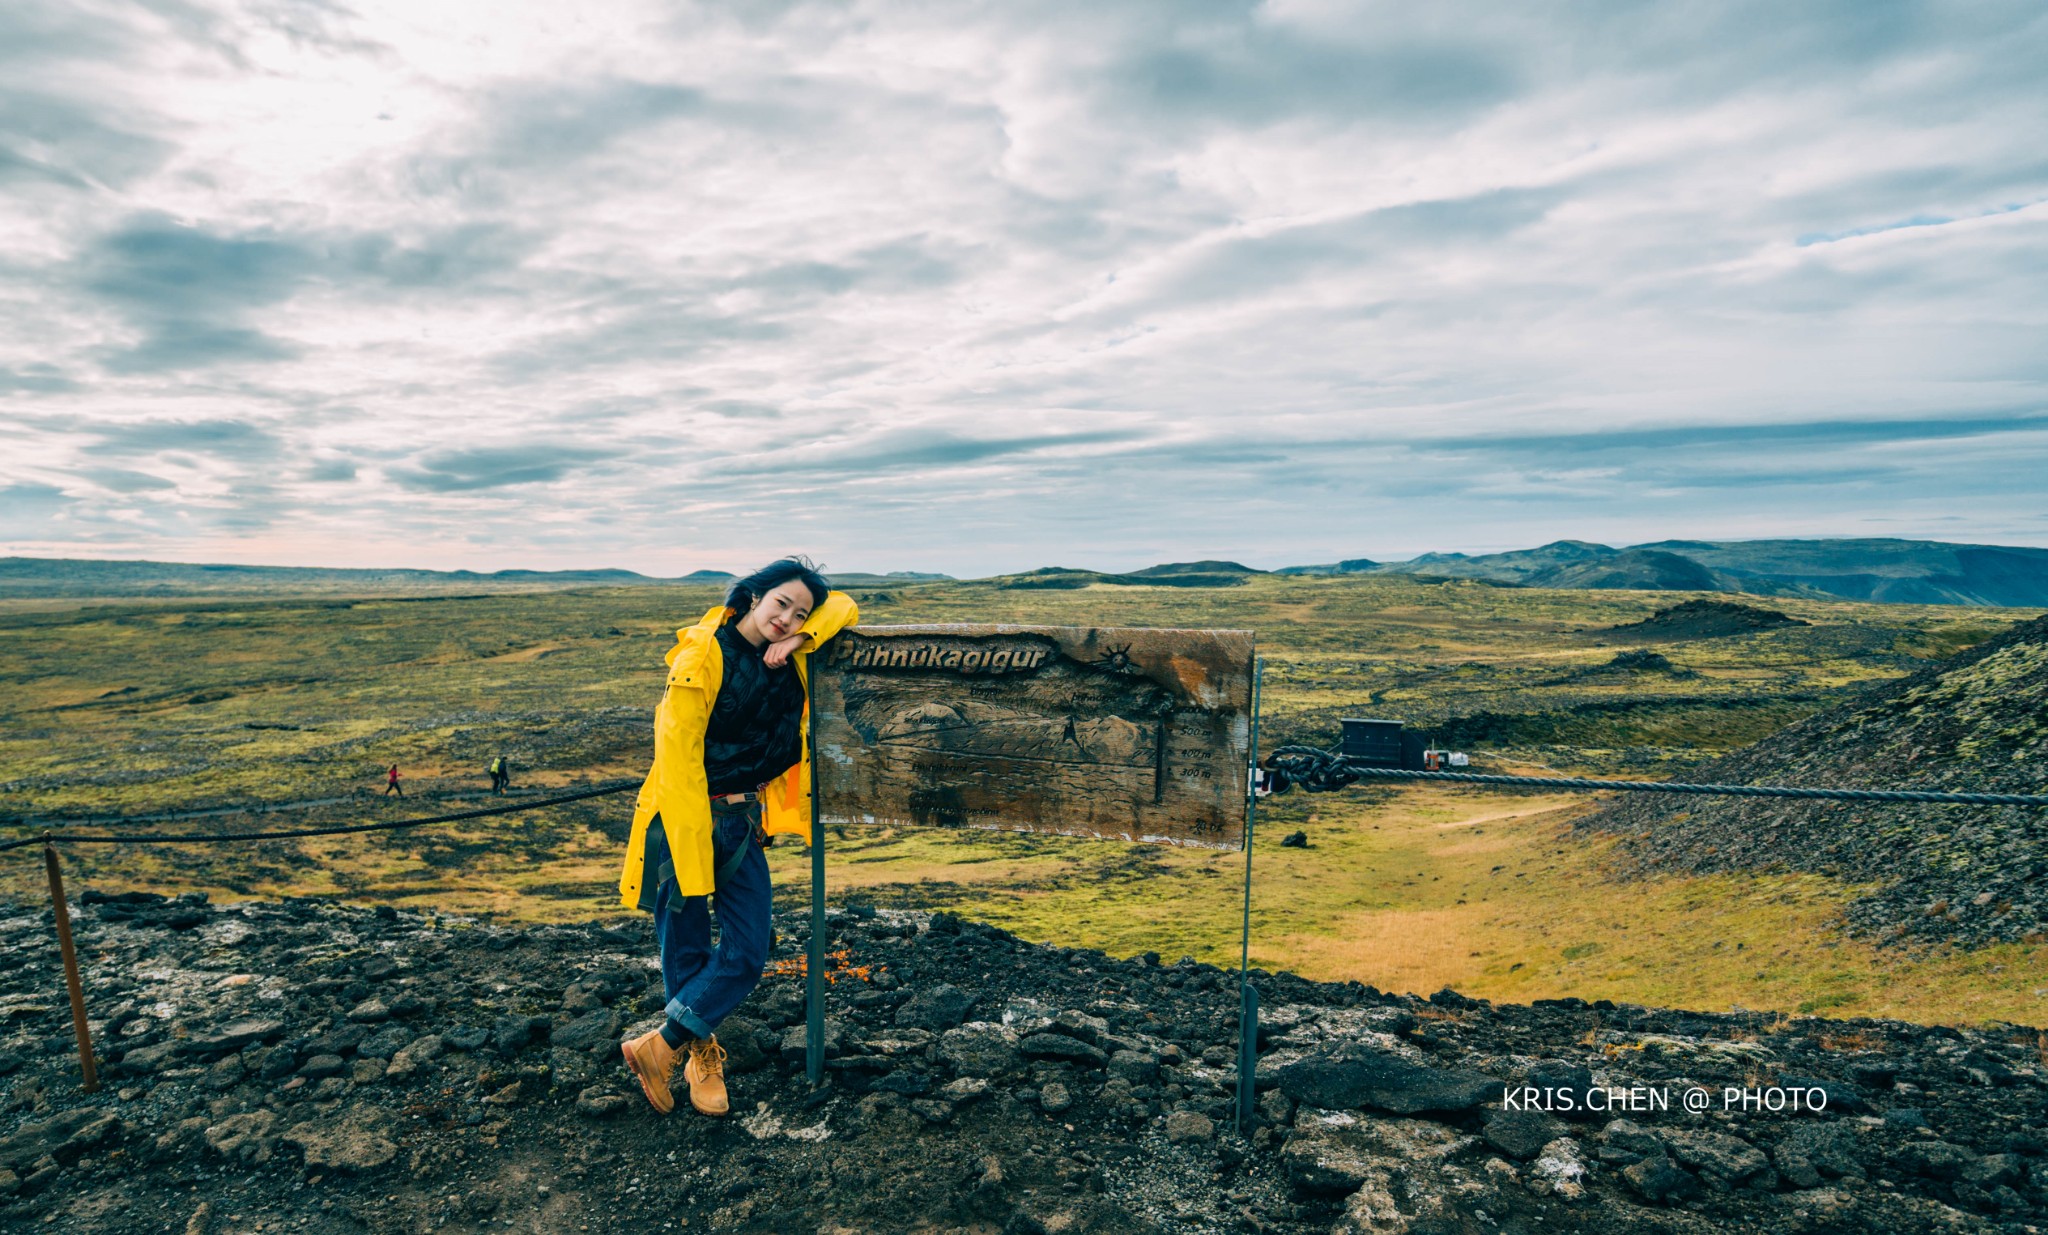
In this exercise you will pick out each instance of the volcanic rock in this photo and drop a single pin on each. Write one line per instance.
(795, 1046)
(1559, 1170)
(1077, 1024)
(1355, 1075)
(465, 1037)
(597, 1030)
(353, 1143)
(385, 1043)
(1336, 1151)
(1731, 1158)
(232, 1037)
(1521, 1134)
(598, 1102)
(901, 1133)
(1027, 1016)
(145, 1060)
(981, 1049)
(63, 1136)
(1996, 1170)
(512, 1034)
(1060, 1046)
(414, 1055)
(343, 1040)
(935, 1008)
(1137, 1067)
(1934, 1159)
(1182, 1126)
(1827, 1149)
(248, 1139)
(1624, 1142)
(1657, 1179)
(1565, 1087)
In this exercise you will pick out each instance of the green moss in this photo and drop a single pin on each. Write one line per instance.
(147, 706)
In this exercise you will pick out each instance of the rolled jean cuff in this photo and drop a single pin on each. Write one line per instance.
(689, 1020)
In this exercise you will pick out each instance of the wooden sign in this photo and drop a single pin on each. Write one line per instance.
(1134, 734)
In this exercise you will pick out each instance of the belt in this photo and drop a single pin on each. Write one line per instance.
(735, 799)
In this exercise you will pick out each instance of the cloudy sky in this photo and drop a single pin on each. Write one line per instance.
(946, 287)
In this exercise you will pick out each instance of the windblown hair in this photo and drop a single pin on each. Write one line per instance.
(745, 592)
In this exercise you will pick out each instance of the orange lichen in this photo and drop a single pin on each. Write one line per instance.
(838, 965)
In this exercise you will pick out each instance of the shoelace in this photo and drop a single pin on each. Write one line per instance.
(710, 1057)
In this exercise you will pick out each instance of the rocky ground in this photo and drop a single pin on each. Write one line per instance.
(1976, 722)
(303, 1066)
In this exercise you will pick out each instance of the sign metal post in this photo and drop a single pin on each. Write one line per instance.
(1247, 996)
(814, 969)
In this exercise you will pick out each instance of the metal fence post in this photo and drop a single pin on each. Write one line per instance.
(814, 970)
(1247, 1055)
(63, 915)
(1247, 998)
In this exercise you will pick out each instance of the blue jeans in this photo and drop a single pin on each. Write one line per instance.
(705, 983)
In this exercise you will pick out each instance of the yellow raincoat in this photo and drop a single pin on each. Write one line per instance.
(675, 788)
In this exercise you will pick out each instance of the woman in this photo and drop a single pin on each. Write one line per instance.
(731, 768)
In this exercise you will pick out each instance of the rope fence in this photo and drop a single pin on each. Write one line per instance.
(214, 838)
(1305, 767)
(1322, 771)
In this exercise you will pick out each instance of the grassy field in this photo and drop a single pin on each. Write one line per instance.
(132, 708)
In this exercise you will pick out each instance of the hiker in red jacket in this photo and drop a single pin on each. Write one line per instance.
(391, 782)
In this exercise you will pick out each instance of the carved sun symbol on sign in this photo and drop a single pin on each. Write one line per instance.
(1116, 660)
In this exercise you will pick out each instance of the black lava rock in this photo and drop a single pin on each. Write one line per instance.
(1354, 1075)
(1659, 1180)
(936, 1008)
(1521, 1134)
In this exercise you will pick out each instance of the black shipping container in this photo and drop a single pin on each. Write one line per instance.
(1375, 743)
(1383, 743)
(1412, 746)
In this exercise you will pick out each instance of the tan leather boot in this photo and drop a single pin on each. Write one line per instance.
(705, 1071)
(652, 1060)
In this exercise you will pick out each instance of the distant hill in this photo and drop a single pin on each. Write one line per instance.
(1702, 619)
(1172, 574)
(1924, 572)
(1349, 566)
(26, 577)
(1197, 568)
(1976, 722)
(1633, 568)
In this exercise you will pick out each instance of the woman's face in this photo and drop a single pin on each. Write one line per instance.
(780, 612)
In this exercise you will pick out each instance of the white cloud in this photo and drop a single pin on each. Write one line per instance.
(519, 285)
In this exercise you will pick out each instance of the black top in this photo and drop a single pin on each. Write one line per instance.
(756, 729)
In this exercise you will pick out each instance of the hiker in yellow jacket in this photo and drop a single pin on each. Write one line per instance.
(731, 768)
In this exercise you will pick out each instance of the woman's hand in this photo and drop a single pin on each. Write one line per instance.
(776, 655)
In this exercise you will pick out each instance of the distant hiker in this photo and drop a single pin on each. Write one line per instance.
(391, 782)
(500, 776)
(730, 769)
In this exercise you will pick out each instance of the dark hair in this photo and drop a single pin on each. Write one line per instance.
(745, 592)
